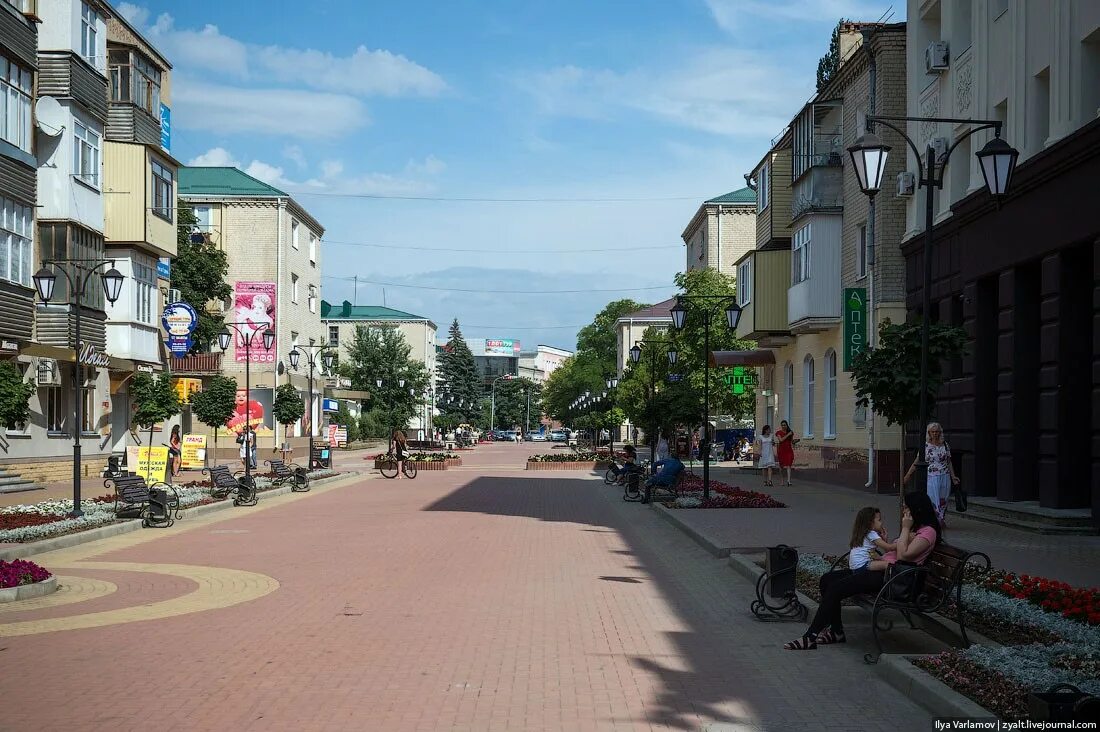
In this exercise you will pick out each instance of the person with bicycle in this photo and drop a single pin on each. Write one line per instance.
(400, 451)
(630, 465)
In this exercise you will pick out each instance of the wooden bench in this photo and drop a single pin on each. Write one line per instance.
(935, 585)
(296, 475)
(223, 483)
(157, 505)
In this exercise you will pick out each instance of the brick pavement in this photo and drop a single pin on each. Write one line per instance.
(462, 600)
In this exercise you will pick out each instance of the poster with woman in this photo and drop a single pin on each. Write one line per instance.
(254, 311)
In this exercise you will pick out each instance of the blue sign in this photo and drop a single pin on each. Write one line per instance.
(165, 128)
(675, 377)
(330, 405)
(164, 268)
(179, 320)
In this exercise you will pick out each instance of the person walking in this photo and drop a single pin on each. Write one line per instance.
(941, 473)
(400, 451)
(784, 448)
(635, 435)
(174, 450)
(767, 453)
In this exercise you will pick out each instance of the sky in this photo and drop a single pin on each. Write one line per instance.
(530, 161)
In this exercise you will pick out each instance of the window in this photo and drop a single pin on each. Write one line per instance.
(808, 396)
(16, 230)
(205, 219)
(89, 35)
(15, 104)
(312, 298)
(135, 79)
(997, 7)
(53, 408)
(830, 394)
(744, 282)
(86, 154)
(68, 241)
(87, 412)
(294, 288)
(293, 340)
(800, 255)
(333, 335)
(313, 250)
(145, 290)
(163, 191)
(294, 233)
(788, 385)
(861, 252)
(762, 190)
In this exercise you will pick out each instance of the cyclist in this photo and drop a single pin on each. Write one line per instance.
(400, 451)
(629, 464)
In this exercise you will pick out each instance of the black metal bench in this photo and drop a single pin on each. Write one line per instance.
(157, 505)
(932, 587)
(223, 484)
(671, 492)
(295, 475)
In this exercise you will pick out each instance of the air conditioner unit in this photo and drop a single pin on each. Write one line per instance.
(173, 295)
(940, 145)
(936, 57)
(907, 184)
(47, 373)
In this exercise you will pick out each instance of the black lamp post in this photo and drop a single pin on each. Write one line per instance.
(44, 281)
(998, 162)
(311, 353)
(650, 349)
(679, 314)
(246, 335)
(612, 383)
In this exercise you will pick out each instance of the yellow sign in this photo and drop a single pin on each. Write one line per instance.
(186, 387)
(150, 463)
(193, 451)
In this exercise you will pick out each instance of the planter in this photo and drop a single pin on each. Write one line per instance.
(453, 462)
(434, 465)
(567, 466)
(26, 592)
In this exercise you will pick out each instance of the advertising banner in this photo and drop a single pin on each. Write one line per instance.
(186, 387)
(254, 310)
(258, 410)
(855, 324)
(179, 320)
(501, 347)
(341, 436)
(193, 452)
(331, 433)
(330, 405)
(150, 463)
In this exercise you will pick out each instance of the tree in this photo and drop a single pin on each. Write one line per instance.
(461, 390)
(343, 418)
(830, 62)
(214, 405)
(511, 402)
(600, 338)
(154, 401)
(15, 395)
(288, 406)
(382, 353)
(198, 272)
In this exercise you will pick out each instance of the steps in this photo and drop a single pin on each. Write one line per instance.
(11, 482)
(1030, 516)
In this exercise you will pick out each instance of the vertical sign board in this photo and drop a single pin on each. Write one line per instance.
(165, 128)
(855, 323)
(254, 311)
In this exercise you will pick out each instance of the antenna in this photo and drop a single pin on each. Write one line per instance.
(355, 290)
(383, 297)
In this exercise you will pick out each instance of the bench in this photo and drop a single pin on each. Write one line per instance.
(673, 490)
(223, 483)
(154, 504)
(937, 584)
(296, 475)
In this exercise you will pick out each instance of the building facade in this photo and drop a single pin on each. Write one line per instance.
(1020, 408)
(537, 365)
(721, 231)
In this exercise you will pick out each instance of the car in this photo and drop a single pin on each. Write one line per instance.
(558, 436)
(509, 436)
(534, 437)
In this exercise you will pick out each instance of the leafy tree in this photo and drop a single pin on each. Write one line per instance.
(600, 337)
(460, 395)
(288, 406)
(511, 402)
(198, 272)
(15, 395)
(343, 418)
(214, 405)
(382, 353)
(154, 401)
(830, 62)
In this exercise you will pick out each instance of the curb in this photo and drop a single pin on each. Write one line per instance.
(103, 532)
(532, 465)
(25, 592)
(670, 515)
(928, 692)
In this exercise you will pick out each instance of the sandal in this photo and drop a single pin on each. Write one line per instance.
(805, 643)
(828, 638)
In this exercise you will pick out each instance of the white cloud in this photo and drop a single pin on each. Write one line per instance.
(205, 48)
(134, 14)
(430, 165)
(740, 15)
(331, 168)
(290, 113)
(294, 153)
(365, 72)
(268, 173)
(215, 157)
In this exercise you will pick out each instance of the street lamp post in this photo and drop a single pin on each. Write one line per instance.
(493, 400)
(733, 315)
(44, 281)
(312, 352)
(649, 345)
(246, 335)
(611, 383)
(997, 160)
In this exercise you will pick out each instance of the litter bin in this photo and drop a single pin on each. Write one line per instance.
(780, 566)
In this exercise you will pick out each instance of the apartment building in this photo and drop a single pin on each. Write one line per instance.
(274, 252)
(721, 231)
(537, 365)
(342, 321)
(1020, 409)
(812, 268)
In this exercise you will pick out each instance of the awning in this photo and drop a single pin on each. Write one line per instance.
(742, 358)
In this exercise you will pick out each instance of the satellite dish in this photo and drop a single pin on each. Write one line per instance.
(49, 116)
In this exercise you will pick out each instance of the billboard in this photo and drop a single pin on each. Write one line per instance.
(501, 347)
(257, 412)
(254, 311)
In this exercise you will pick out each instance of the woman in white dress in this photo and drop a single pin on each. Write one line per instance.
(766, 440)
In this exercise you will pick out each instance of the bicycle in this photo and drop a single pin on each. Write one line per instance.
(613, 478)
(387, 465)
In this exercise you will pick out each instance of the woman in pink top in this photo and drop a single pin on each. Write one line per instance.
(919, 536)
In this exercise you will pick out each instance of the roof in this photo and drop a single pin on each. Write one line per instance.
(218, 181)
(660, 311)
(741, 195)
(347, 311)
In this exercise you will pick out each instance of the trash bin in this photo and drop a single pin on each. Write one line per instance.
(780, 565)
(1063, 703)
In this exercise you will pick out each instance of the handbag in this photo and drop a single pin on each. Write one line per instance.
(908, 587)
(960, 499)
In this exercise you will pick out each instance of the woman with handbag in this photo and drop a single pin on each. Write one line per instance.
(941, 473)
(918, 537)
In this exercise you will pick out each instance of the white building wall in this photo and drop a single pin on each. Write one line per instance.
(60, 194)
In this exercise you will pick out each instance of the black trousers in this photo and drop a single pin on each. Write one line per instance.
(835, 587)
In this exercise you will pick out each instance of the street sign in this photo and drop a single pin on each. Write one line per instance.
(675, 377)
(179, 320)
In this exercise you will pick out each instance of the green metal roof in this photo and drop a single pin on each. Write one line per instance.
(203, 181)
(347, 311)
(741, 195)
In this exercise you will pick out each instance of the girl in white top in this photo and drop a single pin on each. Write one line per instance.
(662, 448)
(766, 440)
(868, 534)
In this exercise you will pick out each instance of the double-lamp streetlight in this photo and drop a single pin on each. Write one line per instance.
(246, 331)
(327, 358)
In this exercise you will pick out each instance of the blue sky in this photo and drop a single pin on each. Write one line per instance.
(668, 102)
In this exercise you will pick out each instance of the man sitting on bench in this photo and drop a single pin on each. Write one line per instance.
(669, 470)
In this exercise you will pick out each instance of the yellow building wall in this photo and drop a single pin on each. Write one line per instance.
(125, 191)
(771, 279)
(781, 194)
(161, 232)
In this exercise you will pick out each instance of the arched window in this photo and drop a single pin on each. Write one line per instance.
(788, 395)
(830, 393)
(808, 397)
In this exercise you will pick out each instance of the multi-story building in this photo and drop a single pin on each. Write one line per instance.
(630, 329)
(812, 268)
(494, 357)
(274, 253)
(537, 365)
(1020, 408)
(722, 230)
(341, 322)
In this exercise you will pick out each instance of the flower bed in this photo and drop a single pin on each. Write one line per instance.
(1074, 603)
(566, 457)
(722, 495)
(20, 572)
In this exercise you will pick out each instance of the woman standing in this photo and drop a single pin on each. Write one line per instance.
(784, 439)
(174, 448)
(247, 441)
(400, 451)
(767, 453)
(941, 473)
(662, 447)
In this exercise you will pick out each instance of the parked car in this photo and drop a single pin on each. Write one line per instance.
(558, 436)
(534, 437)
(508, 436)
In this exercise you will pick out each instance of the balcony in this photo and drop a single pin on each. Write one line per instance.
(64, 74)
(819, 190)
(198, 364)
(764, 316)
(140, 208)
(814, 298)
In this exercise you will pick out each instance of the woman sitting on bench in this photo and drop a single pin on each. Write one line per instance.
(919, 535)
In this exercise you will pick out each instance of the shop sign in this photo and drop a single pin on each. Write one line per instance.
(330, 405)
(92, 356)
(193, 451)
(150, 463)
(179, 320)
(9, 346)
(675, 377)
(855, 324)
(144, 368)
(740, 379)
(186, 387)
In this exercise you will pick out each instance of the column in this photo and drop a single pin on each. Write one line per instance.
(1025, 383)
(1006, 291)
(980, 468)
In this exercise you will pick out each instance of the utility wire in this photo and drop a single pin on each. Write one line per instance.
(473, 199)
(548, 250)
(494, 292)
